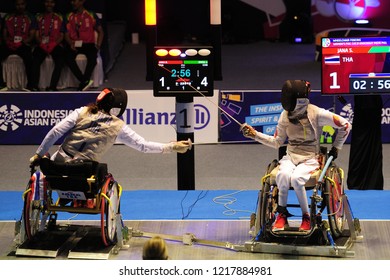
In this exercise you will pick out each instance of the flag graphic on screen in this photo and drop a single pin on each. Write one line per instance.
(334, 59)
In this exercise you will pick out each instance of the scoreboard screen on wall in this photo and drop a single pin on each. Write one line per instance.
(181, 71)
(359, 65)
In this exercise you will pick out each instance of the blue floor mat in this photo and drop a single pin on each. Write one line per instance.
(202, 205)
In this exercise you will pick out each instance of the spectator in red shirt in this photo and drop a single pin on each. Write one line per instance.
(49, 37)
(18, 34)
(81, 26)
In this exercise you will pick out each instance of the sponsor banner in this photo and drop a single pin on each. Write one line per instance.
(155, 117)
(25, 118)
(347, 112)
(261, 109)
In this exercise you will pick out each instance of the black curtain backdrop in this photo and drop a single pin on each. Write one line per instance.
(297, 22)
(365, 170)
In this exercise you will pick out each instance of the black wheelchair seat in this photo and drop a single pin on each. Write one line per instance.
(87, 176)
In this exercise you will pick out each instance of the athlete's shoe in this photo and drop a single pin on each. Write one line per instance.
(91, 203)
(280, 222)
(305, 225)
(78, 203)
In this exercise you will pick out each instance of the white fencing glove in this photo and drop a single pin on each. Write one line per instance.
(34, 160)
(248, 131)
(181, 146)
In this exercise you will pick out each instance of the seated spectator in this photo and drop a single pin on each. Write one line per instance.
(155, 249)
(49, 37)
(81, 25)
(18, 34)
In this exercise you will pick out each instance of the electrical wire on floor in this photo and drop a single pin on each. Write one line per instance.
(229, 199)
(201, 195)
(72, 218)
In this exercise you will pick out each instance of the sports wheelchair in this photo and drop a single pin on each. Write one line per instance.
(327, 194)
(83, 187)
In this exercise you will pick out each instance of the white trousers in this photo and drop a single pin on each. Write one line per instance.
(60, 156)
(296, 176)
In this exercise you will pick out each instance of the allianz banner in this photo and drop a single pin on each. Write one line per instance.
(261, 109)
(25, 118)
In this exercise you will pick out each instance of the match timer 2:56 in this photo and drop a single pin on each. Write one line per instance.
(369, 83)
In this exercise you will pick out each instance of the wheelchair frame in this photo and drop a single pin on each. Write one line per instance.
(326, 238)
(327, 193)
(39, 204)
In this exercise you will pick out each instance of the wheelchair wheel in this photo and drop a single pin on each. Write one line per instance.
(334, 200)
(32, 215)
(268, 203)
(109, 210)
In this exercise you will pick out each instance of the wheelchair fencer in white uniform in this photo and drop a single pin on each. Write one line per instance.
(74, 171)
(300, 125)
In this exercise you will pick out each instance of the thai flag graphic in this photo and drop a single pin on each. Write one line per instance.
(334, 60)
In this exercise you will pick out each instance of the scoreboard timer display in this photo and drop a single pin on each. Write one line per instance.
(181, 71)
(358, 65)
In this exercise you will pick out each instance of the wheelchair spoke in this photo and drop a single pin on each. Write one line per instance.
(109, 209)
(32, 215)
(335, 208)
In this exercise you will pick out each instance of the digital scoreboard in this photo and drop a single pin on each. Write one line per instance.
(181, 71)
(356, 65)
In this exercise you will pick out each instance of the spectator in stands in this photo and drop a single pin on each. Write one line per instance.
(49, 37)
(81, 26)
(155, 249)
(18, 34)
